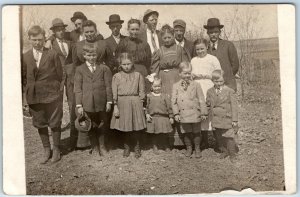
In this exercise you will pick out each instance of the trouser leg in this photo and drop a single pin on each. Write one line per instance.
(56, 134)
(44, 135)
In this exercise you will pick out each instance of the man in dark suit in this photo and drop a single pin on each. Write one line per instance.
(151, 35)
(179, 26)
(90, 33)
(224, 50)
(227, 55)
(64, 49)
(115, 25)
(42, 76)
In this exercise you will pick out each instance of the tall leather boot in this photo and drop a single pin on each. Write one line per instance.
(56, 133)
(136, 142)
(188, 144)
(197, 141)
(44, 135)
(101, 140)
(126, 152)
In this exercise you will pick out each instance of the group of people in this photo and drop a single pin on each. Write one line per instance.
(155, 82)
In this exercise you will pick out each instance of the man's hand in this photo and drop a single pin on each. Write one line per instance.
(80, 110)
(203, 118)
(171, 120)
(149, 118)
(108, 107)
(48, 44)
(116, 112)
(177, 118)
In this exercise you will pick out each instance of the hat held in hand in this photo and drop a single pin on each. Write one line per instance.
(83, 123)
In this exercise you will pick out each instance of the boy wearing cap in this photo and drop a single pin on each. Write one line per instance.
(112, 42)
(42, 76)
(93, 94)
(179, 26)
(151, 35)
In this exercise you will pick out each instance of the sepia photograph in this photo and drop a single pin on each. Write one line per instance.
(158, 99)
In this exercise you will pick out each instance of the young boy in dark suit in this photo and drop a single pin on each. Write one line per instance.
(93, 93)
(42, 75)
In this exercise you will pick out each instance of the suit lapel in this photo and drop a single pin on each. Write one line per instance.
(97, 71)
(33, 62)
(56, 47)
(44, 57)
(87, 71)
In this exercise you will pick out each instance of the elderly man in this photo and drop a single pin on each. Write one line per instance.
(179, 26)
(151, 35)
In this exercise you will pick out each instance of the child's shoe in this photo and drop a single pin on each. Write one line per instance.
(189, 151)
(198, 152)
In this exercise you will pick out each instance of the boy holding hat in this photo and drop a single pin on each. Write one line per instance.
(112, 42)
(227, 55)
(42, 74)
(93, 94)
(151, 35)
(179, 26)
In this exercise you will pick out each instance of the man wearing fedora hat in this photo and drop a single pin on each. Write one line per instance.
(179, 26)
(224, 50)
(227, 55)
(112, 42)
(63, 48)
(151, 35)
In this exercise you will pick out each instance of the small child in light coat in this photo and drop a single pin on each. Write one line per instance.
(189, 108)
(222, 104)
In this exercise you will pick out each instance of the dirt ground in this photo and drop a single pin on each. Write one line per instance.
(259, 165)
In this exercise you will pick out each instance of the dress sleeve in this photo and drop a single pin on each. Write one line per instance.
(141, 87)
(174, 99)
(147, 104)
(155, 62)
(115, 88)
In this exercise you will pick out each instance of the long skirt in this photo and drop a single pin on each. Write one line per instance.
(168, 78)
(132, 116)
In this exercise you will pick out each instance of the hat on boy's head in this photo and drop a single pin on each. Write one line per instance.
(148, 13)
(83, 123)
(114, 18)
(213, 22)
(78, 15)
(179, 22)
(57, 22)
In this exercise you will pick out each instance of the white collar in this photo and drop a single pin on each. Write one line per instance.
(150, 32)
(58, 40)
(216, 43)
(37, 51)
(179, 43)
(116, 37)
(89, 64)
(154, 94)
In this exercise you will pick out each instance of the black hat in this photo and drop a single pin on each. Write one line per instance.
(78, 15)
(213, 22)
(114, 18)
(83, 123)
(148, 13)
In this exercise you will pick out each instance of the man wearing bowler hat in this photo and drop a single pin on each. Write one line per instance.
(179, 26)
(151, 35)
(226, 53)
(115, 25)
(77, 34)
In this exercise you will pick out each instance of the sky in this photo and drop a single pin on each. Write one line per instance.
(195, 15)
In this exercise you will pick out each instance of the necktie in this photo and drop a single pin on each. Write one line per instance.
(36, 56)
(153, 42)
(214, 47)
(93, 68)
(63, 49)
(185, 84)
(218, 90)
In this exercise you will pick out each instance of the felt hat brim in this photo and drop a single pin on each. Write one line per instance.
(145, 18)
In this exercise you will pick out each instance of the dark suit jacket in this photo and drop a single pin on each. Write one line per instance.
(223, 108)
(102, 51)
(64, 60)
(93, 90)
(228, 57)
(143, 36)
(43, 84)
(111, 52)
(189, 47)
